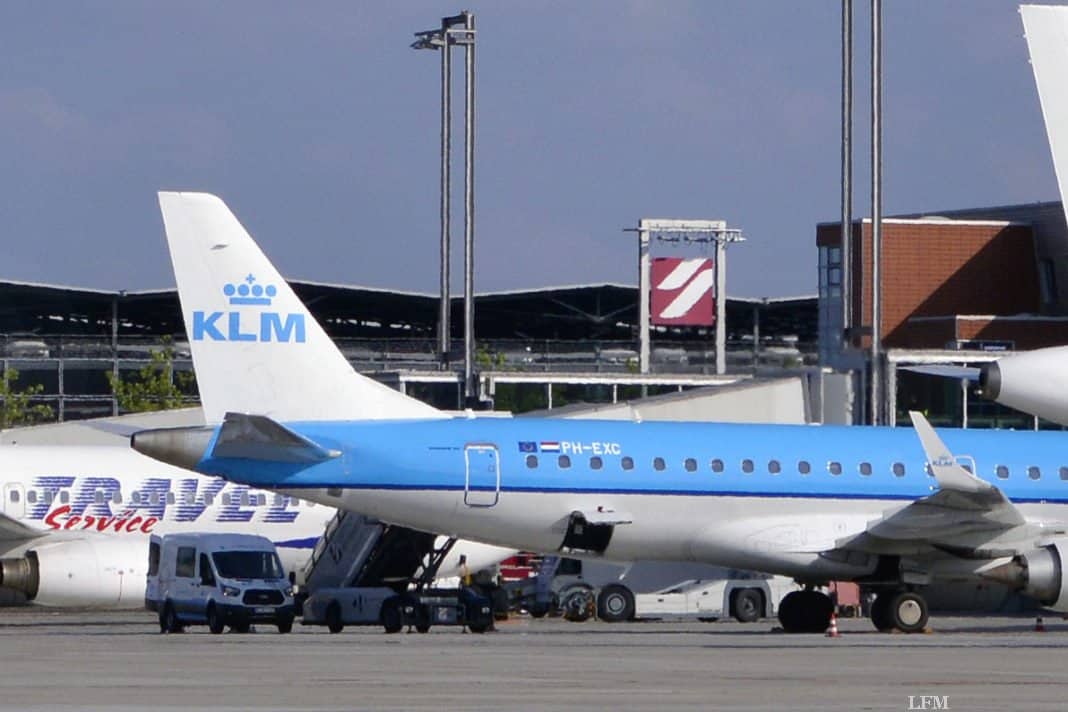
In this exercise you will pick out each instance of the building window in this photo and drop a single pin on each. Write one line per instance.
(659, 464)
(717, 465)
(690, 464)
(532, 461)
(804, 467)
(596, 463)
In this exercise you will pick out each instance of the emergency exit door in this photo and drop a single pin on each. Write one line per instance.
(483, 483)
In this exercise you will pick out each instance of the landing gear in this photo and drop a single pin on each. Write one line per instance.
(805, 612)
(904, 610)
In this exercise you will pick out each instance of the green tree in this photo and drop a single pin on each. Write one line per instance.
(156, 386)
(17, 406)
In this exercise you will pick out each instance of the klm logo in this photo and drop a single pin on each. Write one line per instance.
(244, 324)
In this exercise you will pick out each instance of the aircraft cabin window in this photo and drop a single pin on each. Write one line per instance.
(31, 497)
(747, 466)
(658, 464)
(226, 499)
(717, 465)
(774, 467)
(1064, 473)
(564, 461)
(135, 498)
(49, 495)
(835, 468)
(153, 497)
(98, 496)
(627, 463)
(898, 469)
(279, 500)
(188, 497)
(803, 467)
(14, 496)
(532, 461)
(245, 501)
(596, 463)
(1002, 471)
(865, 469)
(116, 497)
(690, 464)
(64, 497)
(209, 499)
(1034, 473)
(170, 498)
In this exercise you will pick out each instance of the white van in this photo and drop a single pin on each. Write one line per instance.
(217, 579)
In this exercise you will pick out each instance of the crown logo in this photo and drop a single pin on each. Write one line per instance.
(248, 292)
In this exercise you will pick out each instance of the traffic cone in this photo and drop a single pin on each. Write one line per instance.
(1040, 627)
(832, 630)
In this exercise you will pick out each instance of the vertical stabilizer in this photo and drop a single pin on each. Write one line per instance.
(256, 348)
(1046, 29)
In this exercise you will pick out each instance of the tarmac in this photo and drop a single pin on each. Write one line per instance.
(101, 660)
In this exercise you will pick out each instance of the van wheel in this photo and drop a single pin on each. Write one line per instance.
(215, 622)
(333, 618)
(241, 627)
(615, 604)
(285, 625)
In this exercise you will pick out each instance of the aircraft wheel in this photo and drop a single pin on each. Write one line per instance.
(908, 611)
(747, 605)
(880, 613)
(215, 622)
(790, 612)
(615, 604)
(333, 618)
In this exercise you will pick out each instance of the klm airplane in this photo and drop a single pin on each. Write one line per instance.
(894, 509)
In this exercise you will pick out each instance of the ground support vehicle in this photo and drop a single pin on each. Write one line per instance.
(217, 580)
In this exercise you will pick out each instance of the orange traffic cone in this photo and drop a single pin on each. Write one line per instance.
(1040, 627)
(832, 630)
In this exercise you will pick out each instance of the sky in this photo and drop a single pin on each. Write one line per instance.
(319, 126)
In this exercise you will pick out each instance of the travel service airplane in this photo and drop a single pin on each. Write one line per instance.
(75, 520)
(892, 508)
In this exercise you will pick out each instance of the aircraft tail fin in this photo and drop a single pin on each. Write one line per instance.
(1046, 29)
(256, 348)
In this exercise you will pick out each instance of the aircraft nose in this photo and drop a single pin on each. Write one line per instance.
(181, 447)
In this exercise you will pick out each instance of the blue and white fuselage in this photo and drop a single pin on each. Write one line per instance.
(771, 497)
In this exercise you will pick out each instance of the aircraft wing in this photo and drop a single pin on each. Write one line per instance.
(14, 530)
(963, 507)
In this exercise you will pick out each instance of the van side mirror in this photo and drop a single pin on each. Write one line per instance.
(292, 578)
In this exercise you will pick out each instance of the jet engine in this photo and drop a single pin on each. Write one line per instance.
(1035, 382)
(101, 573)
(1040, 573)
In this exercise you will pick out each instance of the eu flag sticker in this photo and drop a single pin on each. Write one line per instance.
(528, 447)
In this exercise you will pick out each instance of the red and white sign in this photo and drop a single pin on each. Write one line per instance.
(682, 291)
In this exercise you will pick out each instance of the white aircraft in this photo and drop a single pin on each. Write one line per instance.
(75, 520)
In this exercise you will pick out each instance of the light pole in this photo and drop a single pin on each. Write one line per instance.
(456, 30)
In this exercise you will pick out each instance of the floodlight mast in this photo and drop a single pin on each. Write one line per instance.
(456, 30)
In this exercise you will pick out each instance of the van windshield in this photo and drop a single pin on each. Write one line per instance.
(248, 565)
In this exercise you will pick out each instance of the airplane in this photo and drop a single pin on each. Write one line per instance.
(75, 520)
(891, 508)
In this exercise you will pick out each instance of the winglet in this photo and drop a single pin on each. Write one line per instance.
(947, 471)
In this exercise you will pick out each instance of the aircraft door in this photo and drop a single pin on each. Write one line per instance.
(483, 480)
(14, 501)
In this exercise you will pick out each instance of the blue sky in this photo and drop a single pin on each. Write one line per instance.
(319, 126)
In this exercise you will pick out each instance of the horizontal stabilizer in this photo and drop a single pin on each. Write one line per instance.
(257, 437)
(967, 373)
